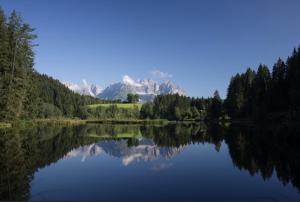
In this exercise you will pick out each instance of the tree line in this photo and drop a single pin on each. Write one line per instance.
(262, 94)
(180, 108)
(112, 112)
(24, 92)
(256, 95)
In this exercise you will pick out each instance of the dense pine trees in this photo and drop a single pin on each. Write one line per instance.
(16, 63)
(55, 99)
(256, 95)
(215, 110)
(25, 93)
(278, 89)
(132, 98)
(238, 99)
(293, 83)
(147, 111)
(263, 95)
(180, 108)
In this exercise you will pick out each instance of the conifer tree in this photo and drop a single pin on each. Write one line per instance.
(4, 64)
(260, 92)
(216, 106)
(19, 65)
(278, 90)
(293, 82)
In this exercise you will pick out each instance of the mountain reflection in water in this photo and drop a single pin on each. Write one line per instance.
(146, 150)
(268, 152)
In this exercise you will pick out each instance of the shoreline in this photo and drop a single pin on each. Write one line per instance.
(70, 121)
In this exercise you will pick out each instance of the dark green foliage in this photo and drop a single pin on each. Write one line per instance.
(293, 83)
(4, 64)
(54, 93)
(239, 94)
(113, 112)
(278, 88)
(216, 106)
(48, 110)
(195, 113)
(132, 98)
(16, 64)
(260, 92)
(180, 108)
(147, 111)
(24, 92)
(165, 107)
(264, 96)
(177, 114)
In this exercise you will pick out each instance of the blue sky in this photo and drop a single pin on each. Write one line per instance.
(197, 44)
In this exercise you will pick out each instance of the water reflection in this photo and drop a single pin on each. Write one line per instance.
(144, 150)
(258, 150)
(265, 150)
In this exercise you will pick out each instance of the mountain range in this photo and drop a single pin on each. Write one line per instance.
(85, 88)
(147, 89)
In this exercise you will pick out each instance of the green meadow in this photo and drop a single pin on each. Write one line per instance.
(119, 105)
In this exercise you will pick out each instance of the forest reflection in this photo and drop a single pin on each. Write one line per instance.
(258, 150)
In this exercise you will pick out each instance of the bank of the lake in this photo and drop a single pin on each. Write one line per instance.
(5, 125)
(72, 121)
(76, 121)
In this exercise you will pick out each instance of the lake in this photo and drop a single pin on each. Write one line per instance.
(159, 163)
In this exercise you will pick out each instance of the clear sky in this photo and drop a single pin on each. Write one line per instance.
(197, 44)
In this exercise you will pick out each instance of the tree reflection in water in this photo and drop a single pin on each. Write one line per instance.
(260, 150)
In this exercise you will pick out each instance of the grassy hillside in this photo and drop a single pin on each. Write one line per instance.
(124, 106)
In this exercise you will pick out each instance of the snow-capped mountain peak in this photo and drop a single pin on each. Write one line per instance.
(147, 89)
(85, 88)
(129, 81)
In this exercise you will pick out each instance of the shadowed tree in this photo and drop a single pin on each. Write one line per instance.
(132, 98)
(19, 55)
(216, 106)
(293, 82)
(278, 90)
(260, 92)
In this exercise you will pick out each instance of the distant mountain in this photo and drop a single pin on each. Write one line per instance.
(147, 89)
(85, 88)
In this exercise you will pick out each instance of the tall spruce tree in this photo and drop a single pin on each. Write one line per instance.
(216, 106)
(4, 64)
(248, 78)
(278, 90)
(234, 100)
(260, 92)
(293, 82)
(18, 65)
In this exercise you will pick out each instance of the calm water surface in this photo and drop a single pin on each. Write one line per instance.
(175, 162)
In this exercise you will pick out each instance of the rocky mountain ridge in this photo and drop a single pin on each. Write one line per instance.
(147, 89)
